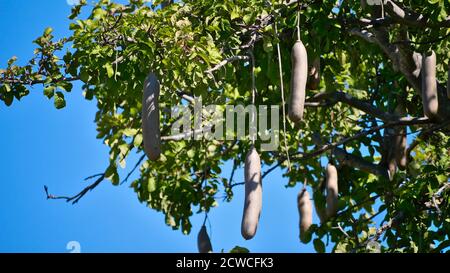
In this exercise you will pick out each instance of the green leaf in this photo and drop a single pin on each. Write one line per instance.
(268, 47)
(319, 246)
(111, 174)
(137, 140)
(151, 187)
(66, 86)
(129, 132)
(49, 91)
(88, 94)
(441, 178)
(98, 13)
(234, 14)
(247, 18)
(59, 102)
(109, 70)
(8, 98)
(48, 31)
(191, 153)
(84, 75)
(238, 249)
(12, 60)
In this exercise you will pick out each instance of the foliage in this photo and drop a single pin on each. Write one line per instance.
(113, 48)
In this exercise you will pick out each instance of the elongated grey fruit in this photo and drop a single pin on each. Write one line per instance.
(299, 75)
(332, 190)
(429, 85)
(203, 241)
(253, 194)
(305, 211)
(321, 212)
(150, 117)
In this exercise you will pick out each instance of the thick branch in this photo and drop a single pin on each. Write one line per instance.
(354, 102)
(411, 18)
(359, 163)
(351, 160)
(406, 61)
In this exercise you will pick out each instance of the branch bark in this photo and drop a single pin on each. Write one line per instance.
(354, 102)
(404, 16)
(359, 163)
(408, 62)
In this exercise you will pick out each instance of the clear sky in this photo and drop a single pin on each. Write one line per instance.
(58, 148)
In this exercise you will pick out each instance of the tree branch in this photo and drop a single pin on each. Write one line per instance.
(408, 62)
(359, 163)
(405, 64)
(134, 168)
(438, 194)
(342, 230)
(354, 102)
(392, 222)
(352, 160)
(411, 18)
(226, 61)
(17, 81)
(74, 199)
(186, 135)
(424, 135)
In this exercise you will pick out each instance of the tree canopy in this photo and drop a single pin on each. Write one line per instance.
(370, 62)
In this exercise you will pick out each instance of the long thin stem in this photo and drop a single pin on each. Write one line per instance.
(280, 68)
(253, 93)
(298, 22)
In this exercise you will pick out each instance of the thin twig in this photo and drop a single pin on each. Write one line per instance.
(226, 61)
(385, 227)
(184, 135)
(342, 230)
(134, 168)
(424, 135)
(74, 199)
(438, 194)
(232, 171)
(93, 176)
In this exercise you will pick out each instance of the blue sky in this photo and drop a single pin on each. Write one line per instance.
(58, 148)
